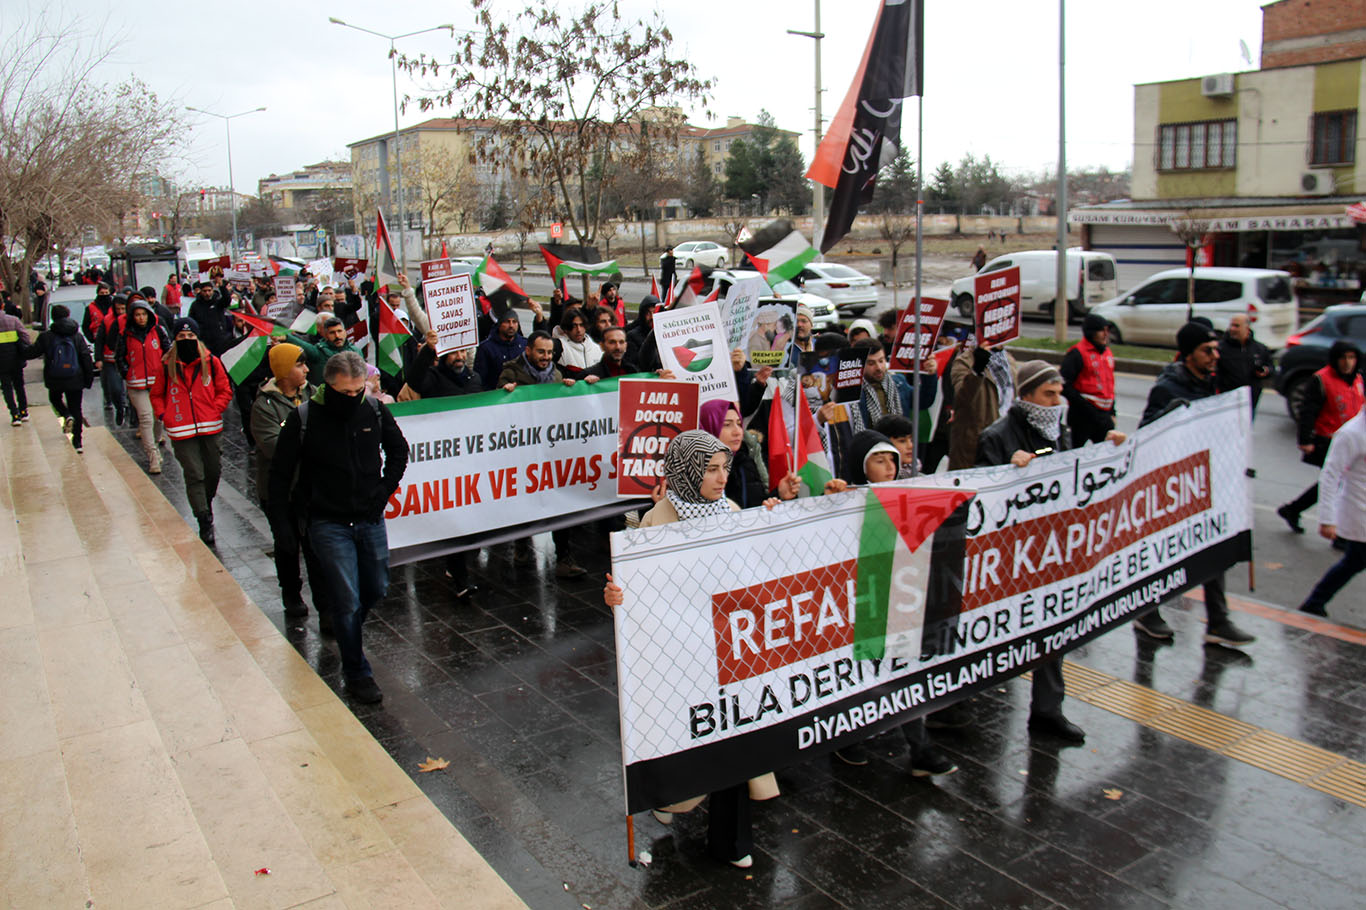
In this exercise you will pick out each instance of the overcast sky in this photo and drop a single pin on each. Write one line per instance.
(991, 72)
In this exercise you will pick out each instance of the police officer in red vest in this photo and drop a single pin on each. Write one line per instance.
(1332, 397)
(1088, 376)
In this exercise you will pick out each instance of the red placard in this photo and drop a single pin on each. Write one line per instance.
(436, 268)
(206, 265)
(650, 413)
(997, 317)
(932, 312)
(556, 230)
(349, 267)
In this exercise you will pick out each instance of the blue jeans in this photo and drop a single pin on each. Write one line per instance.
(1335, 579)
(111, 383)
(355, 562)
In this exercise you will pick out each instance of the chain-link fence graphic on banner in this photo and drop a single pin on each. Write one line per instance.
(751, 641)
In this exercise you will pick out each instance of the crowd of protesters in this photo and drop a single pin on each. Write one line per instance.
(329, 454)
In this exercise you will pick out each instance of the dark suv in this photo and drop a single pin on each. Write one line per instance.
(1306, 351)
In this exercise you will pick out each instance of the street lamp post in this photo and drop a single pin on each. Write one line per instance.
(818, 200)
(232, 188)
(398, 154)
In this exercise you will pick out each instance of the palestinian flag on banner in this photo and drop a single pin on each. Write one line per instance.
(392, 332)
(778, 251)
(560, 269)
(895, 542)
(242, 359)
(492, 278)
(811, 464)
(654, 287)
(386, 264)
(696, 355)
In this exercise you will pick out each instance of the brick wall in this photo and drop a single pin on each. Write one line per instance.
(1290, 27)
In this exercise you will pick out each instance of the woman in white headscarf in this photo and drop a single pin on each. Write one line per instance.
(696, 467)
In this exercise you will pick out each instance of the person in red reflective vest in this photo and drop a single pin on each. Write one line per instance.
(1088, 376)
(1332, 397)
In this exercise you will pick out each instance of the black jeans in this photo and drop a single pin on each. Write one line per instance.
(730, 834)
(16, 399)
(68, 404)
(201, 462)
(289, 546)
(1344, 570)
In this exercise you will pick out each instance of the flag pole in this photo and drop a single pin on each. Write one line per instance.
(919, 254)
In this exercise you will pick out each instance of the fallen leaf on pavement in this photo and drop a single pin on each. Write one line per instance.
(1112, 793)
(433, 764)
(1273, 566)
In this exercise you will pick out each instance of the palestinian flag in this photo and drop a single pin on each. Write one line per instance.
(243, 358)
(304, 322)
(492, 278)
(696, 355)
(779, 251)
(654, 287)
(688, 291)
(282, 265)
(811, 464)
(560, 269)
(386, 264)
(895, 543)
(388, 354)
(260, 326)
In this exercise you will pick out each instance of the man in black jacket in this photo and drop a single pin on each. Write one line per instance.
(68, 369)
(210, 311)
(1243, 360)
(1191, 378)
(333, 443)
(1035, 426)
(440, 377)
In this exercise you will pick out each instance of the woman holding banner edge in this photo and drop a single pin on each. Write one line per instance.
(696, 469)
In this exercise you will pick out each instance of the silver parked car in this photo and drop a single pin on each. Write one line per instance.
(849, 289)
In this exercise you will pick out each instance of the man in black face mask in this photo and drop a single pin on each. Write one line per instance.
(96, 311)
(349, 455)
(210, 311)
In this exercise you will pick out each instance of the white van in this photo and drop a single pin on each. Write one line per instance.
(1090, 279)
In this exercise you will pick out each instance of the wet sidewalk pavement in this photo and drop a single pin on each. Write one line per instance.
(1210, 777)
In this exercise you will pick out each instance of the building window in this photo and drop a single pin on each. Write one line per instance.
(1197, 146)
(716, 146)
(1334, 138)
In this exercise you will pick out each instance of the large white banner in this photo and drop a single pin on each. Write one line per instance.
(498, 465)
(751, 641)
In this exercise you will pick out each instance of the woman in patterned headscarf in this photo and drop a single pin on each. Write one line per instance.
(696, 467)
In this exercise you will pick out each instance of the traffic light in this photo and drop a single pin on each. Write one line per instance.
(201, 195)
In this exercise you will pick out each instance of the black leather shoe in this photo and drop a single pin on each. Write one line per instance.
(364, 690)
(1058, 726)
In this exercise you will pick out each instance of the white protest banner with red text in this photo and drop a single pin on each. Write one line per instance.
(997, 314)
(285, 296)
(449, 300)
(932, 312)
(693, 345)
(751, 641)
(650, 413)
(499, 465)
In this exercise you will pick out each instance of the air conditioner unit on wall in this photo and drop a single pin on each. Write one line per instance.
(1317, 183)
(1217, 86)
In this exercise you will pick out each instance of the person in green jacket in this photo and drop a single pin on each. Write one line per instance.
(332, 340)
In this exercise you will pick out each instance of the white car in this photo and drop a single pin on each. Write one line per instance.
(699, 252)
(1153, 312)
(823, 314)
(1091, 278)
(849, 289)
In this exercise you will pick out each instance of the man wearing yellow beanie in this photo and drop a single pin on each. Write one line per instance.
(279, 396)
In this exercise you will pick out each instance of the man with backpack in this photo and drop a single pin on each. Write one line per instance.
(13, 339)
(339, 457)
(68, 369)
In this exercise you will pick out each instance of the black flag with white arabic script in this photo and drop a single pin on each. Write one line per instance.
(866, 132)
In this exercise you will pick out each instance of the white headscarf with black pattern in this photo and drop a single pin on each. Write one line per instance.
(685, 465)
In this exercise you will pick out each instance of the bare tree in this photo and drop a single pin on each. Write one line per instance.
(68, 145)
(896, 230)
(563, 91)
(449, 190)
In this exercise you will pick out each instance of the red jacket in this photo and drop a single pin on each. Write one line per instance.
(1342, 400)
(187, 406)
(1096, 381)
(140, 358)
(171, 296)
